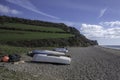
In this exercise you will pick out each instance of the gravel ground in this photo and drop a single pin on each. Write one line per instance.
(90, 63)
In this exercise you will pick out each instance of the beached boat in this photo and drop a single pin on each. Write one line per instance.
(51, 59)
(45, 52)
(65, 50)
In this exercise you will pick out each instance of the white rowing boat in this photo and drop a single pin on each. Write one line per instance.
(51, 59)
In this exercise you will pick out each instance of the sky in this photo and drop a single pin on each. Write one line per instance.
(96, 19)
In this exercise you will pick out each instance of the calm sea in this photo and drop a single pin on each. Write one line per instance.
(112, 46)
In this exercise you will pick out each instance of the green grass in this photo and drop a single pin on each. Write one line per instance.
(10, 35)
(7, 49)
(33, 27)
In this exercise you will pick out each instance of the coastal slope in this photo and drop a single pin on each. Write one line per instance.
(36, 33)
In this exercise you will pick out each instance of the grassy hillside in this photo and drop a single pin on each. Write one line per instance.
(30, 27)
(35, 33)
(11, 35)
(19, 34)
(19, 31)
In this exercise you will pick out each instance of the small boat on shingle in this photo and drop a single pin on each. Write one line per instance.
(64, 50)
(32, 53)
(51, 58)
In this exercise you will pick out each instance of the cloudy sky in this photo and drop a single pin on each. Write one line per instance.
(96, 19)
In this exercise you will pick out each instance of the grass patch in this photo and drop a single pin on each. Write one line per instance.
(10, 35)
(6, 49)
(31, 27)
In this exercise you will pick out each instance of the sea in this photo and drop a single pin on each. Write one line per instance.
(112, 46)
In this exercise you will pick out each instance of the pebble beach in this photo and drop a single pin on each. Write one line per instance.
(88, 63)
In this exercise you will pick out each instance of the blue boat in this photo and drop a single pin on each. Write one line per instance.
(65, 50)
(31, 53)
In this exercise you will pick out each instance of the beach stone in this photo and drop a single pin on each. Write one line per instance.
(88, 63)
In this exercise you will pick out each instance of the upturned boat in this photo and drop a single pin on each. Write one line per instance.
(51, 58)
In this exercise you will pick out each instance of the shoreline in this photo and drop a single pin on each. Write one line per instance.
(109, 47)
(110, 50)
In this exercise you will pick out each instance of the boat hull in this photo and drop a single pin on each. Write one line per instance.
(64, 50)
(32, 53)
(51, 59)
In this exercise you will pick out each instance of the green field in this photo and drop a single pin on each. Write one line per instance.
(7, 49)
(31, 27)
(18, 34)
(10, 35)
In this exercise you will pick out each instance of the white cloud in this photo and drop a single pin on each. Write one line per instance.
(7, 10)
(98, 31)
(92, 30)
(15, 12)
(111, 24)
(102, 12)
(28, 5)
